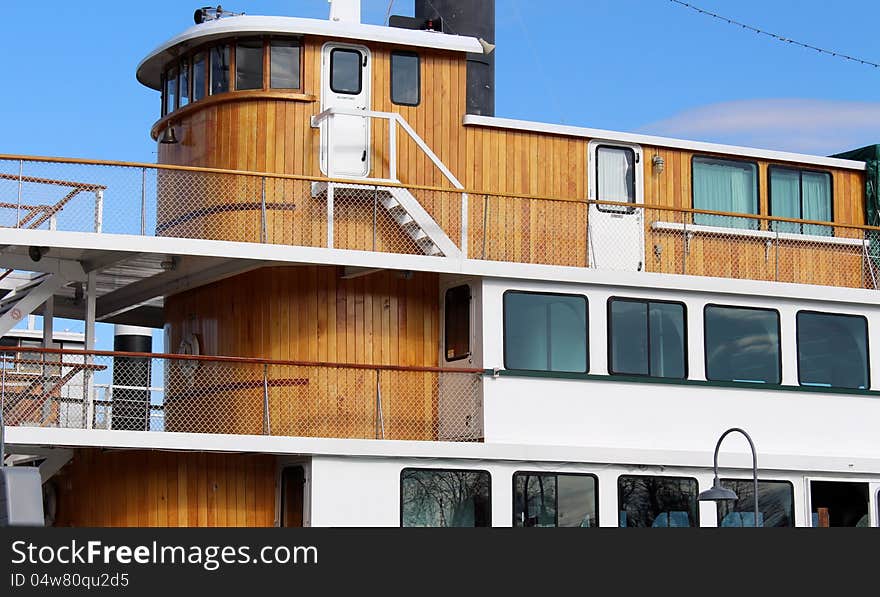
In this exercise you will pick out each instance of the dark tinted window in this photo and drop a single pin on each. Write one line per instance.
(458, 323)
(742, 344)
(545, 332)
(832, 350)
(554, 500)
(647, 338)
(284, 64)
(345, 71)
(198, 77)
(170, 90)
(775, 504)
(657, 501)
(249, 65)
(443, 498)
(725, 185)
(183, 87)
(405, 79)
(219, 69)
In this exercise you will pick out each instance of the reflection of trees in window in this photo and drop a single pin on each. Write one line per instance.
(742, 344)
(550, 500)
(646, 501)
(444, 498)
(775, 504)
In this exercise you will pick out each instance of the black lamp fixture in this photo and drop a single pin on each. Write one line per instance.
(718, 493)
(168, 137)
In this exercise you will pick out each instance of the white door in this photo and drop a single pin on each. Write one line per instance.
(616, 233)
(345, 84)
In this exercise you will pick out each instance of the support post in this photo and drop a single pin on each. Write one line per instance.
(375, 214)
(392, 148)
(90, 346)
(48, 321)
(264, 236)
(267, 428)
(143, 201)
(330, 215)
(99, 210)
(18, 209)
(485, 222)
(464, 226)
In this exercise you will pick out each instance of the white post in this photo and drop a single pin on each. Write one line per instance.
(464, 226)
(392, 148)
(90, 345)
(99, 210)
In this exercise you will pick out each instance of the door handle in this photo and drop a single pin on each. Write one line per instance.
(364, 156)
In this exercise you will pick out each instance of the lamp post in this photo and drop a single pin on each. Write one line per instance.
(722, 494)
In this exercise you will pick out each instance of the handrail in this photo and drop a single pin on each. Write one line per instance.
(391, 184)
(226, 359)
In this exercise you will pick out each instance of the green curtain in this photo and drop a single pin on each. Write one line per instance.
(785, 198)
(725, 186)
(817, 202)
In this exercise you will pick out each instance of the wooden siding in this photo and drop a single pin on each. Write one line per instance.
(166, 489)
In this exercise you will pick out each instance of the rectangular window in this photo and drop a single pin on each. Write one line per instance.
(647, 338)
(170, 90)
(645, 501)
(800, 195)
(615, 177)
(183, 87)
(545, 332)
(198, 77)
(775, 504)
(219, 70)
(346, 73)
(555, 500)
(742, 344)
(249, 65)
(725, 185)
(458, 323)
(284, 60)
(445, 498)
(406, 78)
(832, 350)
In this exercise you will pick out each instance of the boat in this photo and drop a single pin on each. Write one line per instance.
(384, 305)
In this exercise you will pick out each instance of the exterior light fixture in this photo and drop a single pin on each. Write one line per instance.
(168, 137)
(659, 164)
(722, 494)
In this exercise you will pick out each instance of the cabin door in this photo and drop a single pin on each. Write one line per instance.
(616, 233)
(345, 85)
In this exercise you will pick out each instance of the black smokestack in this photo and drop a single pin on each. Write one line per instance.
(473, 18)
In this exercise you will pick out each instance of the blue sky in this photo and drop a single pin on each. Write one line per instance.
(634, 65)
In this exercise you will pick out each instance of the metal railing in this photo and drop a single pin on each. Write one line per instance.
(204, 203)
(228, 395)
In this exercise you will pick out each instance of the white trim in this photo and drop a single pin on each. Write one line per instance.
(765, 234)
(270, 255)
(699, 146)
(26, 438)
(150, 69)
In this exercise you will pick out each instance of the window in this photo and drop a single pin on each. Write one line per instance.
(406, 79)
(219, 69)
(293, 479)
(742, 344)
(284, 59)
(555, 500)
(183, 89)
(615, 177)
(801, 195)
(458, 323)
(775, 504)
(545, 332)
(445, 498)
(198, 82)
(345, 71)
(249, 64)
(839, 504)
(647, 338)
(832, 350)
(725, 185)
(170, 90)
(645, 501)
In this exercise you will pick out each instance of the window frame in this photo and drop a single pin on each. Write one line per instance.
(347, 50)
(674, 478)
(418, 58)
(800, 171)
(534, 292)
(469, 352)
(615, 209)
(555, 474)
(797, 338)
(757, 223)
(760, 480)
(443, 470)
(706, 343)
(609, 335)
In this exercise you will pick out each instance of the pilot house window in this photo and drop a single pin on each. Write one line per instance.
(284, 64)
(346, 73)
(219, 70)
(249, 65)
(405, 78)
(725, 185)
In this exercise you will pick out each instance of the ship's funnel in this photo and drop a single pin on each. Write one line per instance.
(473, 18)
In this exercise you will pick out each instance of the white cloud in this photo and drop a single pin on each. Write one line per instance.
(801, 125)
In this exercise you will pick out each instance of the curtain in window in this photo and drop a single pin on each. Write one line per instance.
(785, 198)
(616, 176)
(720, 186)
(817, 202)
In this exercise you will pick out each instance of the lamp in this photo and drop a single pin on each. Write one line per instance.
(168, 137)
(487, 47)
(659, 164)
(722, 494)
